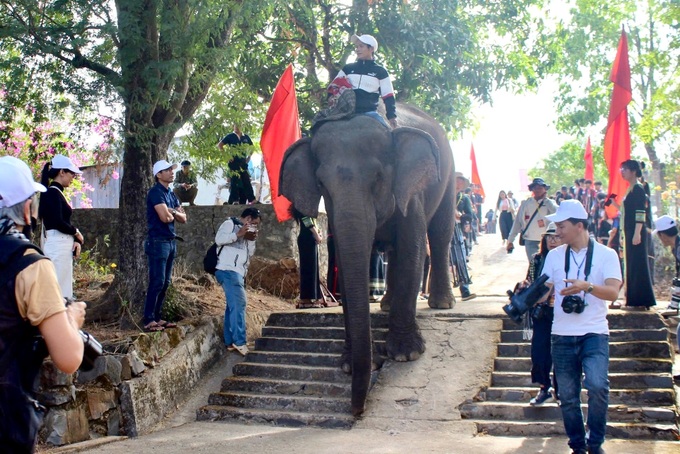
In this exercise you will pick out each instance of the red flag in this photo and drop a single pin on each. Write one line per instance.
(617, 137)
(281, 129)
(475, 173)
(588, 157)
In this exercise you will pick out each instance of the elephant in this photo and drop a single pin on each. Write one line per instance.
(393, 186)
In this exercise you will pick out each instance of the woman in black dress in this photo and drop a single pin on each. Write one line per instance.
(639, 292)
(308, 240)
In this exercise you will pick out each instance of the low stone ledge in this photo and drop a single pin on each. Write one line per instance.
(146, 399)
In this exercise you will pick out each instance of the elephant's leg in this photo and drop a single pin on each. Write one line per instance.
(404, 341)
(440, 232)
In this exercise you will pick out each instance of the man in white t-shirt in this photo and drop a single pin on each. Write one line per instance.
(586, 275)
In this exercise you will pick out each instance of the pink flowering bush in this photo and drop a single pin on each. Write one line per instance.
(36, 141)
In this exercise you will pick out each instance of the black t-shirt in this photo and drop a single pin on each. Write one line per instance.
(238, 163)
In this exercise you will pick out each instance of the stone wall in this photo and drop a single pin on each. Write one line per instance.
(276, 240)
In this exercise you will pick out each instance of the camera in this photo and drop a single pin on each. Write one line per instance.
(609, 200)
(523, 300)
(539, 311)
(92, 348)
(675, 292)
(573, 303)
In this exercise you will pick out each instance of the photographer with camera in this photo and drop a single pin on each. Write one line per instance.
(667, 230)
(585, 275)
(235, 240)
(34, 321)
(539, 321)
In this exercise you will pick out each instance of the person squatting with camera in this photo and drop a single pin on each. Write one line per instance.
(667, 230)
(235, 240)
(585, 275)
(34, 321)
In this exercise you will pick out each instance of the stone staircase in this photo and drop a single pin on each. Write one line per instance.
(642, 401)
(292, 377)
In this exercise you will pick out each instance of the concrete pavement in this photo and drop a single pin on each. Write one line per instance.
(412, 408)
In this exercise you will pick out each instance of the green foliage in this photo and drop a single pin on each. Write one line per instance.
(90, 266)
(581, 52)
(565, 165)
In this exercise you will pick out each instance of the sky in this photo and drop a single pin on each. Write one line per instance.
(514, 135)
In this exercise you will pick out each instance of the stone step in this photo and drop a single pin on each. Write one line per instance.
(294, 358)
(276, 418)
(616, 350)
(287, 372)
(617, 320)
(615, 365)
(551, 412)
(278, 386)
(640, 380)
(279, 344)
(318, 319)
(639, 431)
(306, 404)
(317, 332)
(646, 397)
(615, 335)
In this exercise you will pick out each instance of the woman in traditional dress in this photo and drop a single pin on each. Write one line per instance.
(639, 292)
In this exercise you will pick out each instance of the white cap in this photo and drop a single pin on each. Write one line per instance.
(366, 39)
(16, 182)
(162, 165)
(665, 222)
(568, 209)
(60, 161)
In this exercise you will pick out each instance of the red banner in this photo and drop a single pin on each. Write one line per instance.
(281, 129)
(475, 173)
(588, 157)
(617, 137)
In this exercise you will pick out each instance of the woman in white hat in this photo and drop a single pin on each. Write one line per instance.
(62, 240)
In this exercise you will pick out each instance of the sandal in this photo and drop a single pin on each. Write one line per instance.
(164, 324)
(308, 304)
(153, 327)
(615, 305)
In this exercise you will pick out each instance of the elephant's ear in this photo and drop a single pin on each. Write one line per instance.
(416, 163)
(297, 179)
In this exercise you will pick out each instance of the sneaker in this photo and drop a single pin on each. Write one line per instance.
(595, 450)
(469, 296)
(669, 311)
(242, 349)
(543, 396)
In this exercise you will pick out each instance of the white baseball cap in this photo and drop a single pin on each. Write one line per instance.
(16, 182)
(162, 165)
(568, 209)
(366, 39)
(60, 161)
(665, 222)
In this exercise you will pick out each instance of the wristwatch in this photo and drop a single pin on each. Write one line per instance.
(173, 211)
(590, 288)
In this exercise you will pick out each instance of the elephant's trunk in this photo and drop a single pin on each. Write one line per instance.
(354, 239)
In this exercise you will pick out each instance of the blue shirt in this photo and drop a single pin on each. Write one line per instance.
(160, 194)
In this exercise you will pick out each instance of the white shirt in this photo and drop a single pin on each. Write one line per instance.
(605, 266)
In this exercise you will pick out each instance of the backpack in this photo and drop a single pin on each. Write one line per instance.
(211, 255)
(210, 259)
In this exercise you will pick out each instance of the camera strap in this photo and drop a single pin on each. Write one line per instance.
(589, 259)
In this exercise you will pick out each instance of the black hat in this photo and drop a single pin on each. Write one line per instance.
(186, 163)
(538, 182)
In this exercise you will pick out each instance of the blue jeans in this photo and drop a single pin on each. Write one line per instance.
(161, 253)
(573, 356)
(531, 248)
(235, 312)
(377, 116)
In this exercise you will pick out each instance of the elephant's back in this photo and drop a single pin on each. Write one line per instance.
(408, 115)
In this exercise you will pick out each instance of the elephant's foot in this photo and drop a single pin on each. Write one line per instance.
(441, 301)
(405, 347)
(346, 363)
